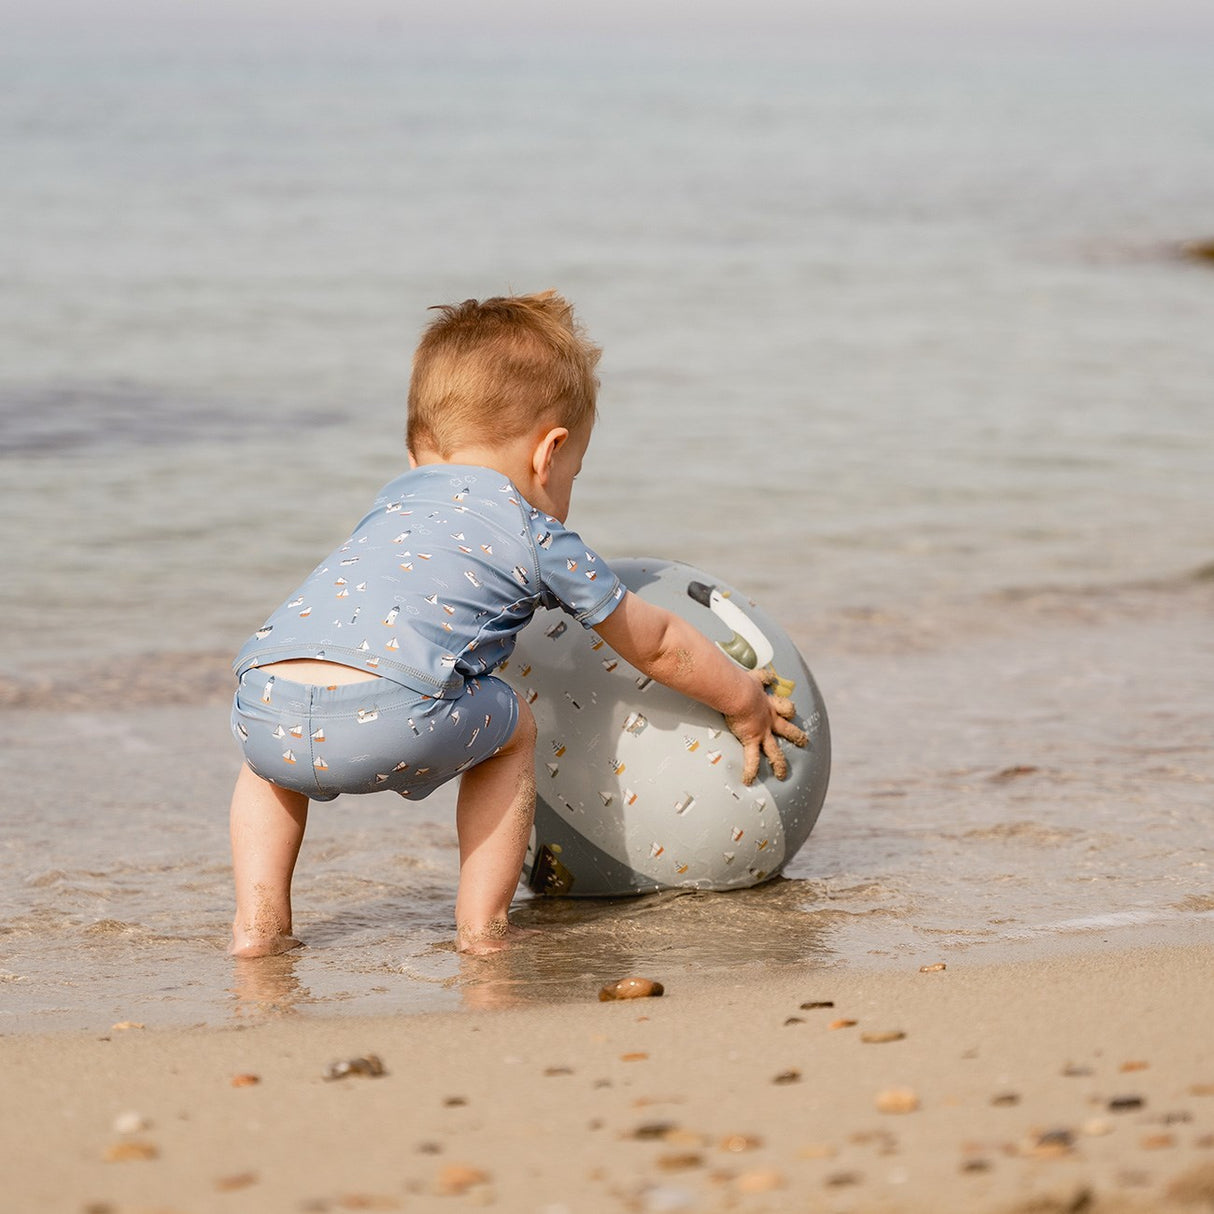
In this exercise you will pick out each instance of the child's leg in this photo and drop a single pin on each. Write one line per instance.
(267, 825)
(493, 816)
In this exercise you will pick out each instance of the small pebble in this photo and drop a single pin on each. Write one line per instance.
(245, 1080)
(429, 1148)
(765, 1181)
(976, 1165)
(125, 1152)
(123, 1025)
(817, 1003)
(652, 1130)
(785, 1077)
(370, 1066)
(1005, 1099)
(795, 1020)
(635, 1056)
(879, 1038)
(1075, 1071)
(1134, 1066)
(631, 988)
(817, 1150)
(680, 1161)
(457, 1178)
(897, 1100)
(1049, 1144)
(1125, 1104)
(1156, 1142)
(1201, 1089)
(130, 1123)
(558, 1070)
(454, 1102)
(842, 1024)
(239, 1180)
(737, 1143)
(934, 968)
(839, 1180)
(1097, 1127)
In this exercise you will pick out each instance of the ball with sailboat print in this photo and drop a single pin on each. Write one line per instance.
(640, 788)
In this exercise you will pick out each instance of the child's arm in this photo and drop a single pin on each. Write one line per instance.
(667, 648)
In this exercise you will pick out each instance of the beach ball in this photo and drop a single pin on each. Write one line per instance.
(640, 788)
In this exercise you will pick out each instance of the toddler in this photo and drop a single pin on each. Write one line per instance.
(376, 674)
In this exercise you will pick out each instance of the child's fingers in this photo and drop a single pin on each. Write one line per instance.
(750, 762)
(791, 733)
(775, 756)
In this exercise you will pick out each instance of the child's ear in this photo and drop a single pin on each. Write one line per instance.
(545, 452)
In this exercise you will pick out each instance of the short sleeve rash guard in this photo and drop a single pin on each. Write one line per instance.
(435, 582)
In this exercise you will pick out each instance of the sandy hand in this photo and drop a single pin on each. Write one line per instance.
(762, 725)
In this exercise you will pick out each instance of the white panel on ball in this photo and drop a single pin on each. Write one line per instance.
(640, 788)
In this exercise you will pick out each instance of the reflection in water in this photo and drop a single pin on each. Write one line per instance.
(267, 987)
(583, 944)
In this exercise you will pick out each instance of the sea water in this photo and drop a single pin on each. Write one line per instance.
(899, 337)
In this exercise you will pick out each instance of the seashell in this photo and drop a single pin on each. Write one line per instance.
(631, 988)
(842, 1024)
(935, 968)
(897, 1100)
(457, 1178)
(245, 1080)
(123, 1025)
(125, 1152)
(793, 1020)
(786, 1077)
(1097, 1127)
(736, 1143)
(1133, 1066)
(130, 1123)
(879, 1038)
(635, 1056)
(370, 1065)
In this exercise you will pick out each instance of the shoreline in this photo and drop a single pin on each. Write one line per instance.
(1083, 1082)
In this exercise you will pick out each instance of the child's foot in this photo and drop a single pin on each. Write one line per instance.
(268, 946)
(493, 937)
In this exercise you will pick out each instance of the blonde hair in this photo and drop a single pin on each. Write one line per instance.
(486, 372)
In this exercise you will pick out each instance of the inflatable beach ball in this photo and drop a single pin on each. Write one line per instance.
(638, 787)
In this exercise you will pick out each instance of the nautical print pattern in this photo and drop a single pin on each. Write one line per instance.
(365, 737)
(435, 582)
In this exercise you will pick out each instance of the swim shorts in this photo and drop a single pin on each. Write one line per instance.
(367, 737)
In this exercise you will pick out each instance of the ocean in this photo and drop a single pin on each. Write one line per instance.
(900, 335)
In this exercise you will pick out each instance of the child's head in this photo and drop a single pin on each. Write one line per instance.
(487, 372)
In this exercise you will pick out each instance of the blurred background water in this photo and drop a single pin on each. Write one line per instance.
(895, 329)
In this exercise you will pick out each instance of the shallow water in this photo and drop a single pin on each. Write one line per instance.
(897, 338)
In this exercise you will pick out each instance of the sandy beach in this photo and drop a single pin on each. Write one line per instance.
(1065, 1084)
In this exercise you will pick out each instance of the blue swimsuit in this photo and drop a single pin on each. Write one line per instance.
(429, 592)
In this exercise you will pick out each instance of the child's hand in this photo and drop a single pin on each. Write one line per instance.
(759, 726)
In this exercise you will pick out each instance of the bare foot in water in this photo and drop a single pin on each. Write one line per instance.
(269, 946)
(493, 938)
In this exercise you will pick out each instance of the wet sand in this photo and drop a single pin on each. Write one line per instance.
(1073, 1084)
